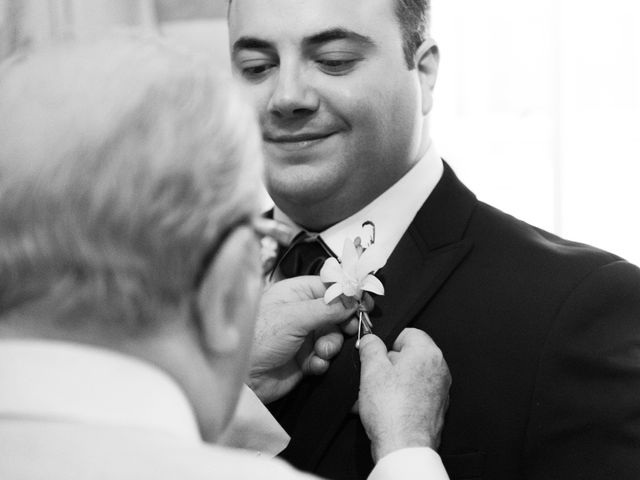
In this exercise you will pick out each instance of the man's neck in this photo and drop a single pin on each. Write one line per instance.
(319, 217)
(390, 213)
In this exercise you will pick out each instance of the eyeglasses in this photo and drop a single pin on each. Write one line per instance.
(264, 228)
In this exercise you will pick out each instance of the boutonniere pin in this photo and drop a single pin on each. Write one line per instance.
(352, 276)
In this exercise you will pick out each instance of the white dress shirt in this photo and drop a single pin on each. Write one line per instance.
(74, 382)
(103, 402)
(392, 212)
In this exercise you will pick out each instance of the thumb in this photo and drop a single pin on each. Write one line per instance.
(372, 352)
(305, 287)
(316, 314)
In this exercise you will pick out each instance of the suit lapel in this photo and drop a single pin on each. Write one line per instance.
(426, 255)
(408, 290)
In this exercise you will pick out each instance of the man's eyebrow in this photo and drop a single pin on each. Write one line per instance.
(250, 43)
(254, 43)
(338, 34)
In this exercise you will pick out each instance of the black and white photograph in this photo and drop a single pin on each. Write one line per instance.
(319, 239)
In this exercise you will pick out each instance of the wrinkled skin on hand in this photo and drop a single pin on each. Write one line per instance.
(404, 392)
(297, 333)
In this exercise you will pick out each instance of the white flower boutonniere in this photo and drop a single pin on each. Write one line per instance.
(352, 276)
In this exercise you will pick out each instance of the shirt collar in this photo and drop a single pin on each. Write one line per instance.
(75, 383)
(392, 212)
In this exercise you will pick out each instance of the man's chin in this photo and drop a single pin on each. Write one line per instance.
(296, 197)
(302, 184)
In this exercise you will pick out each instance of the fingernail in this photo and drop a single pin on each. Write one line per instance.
(364, 334)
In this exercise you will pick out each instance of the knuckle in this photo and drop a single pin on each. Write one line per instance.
(437, 357)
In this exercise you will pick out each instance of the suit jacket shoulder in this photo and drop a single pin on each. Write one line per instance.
(540, 335)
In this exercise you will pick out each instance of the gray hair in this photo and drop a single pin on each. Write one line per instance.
(121, 162)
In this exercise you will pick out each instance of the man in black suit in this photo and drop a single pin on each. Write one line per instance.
(540, 334)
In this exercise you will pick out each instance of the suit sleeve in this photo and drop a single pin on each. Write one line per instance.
(585, 411)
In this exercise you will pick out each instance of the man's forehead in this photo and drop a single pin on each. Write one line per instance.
(297, 20)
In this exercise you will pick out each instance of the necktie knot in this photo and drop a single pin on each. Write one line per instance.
(304, 256)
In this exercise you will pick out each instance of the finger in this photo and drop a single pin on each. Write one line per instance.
(367, 301)
(394, 357)
(372, 353)
(312, 315)
(304, 355)
(348, 302)
(350, 327)
(411, 338)
(328, 345)
(414, 345)
(306, 286)
(315, 365)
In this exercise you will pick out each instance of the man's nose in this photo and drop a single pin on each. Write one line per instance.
(293, 96)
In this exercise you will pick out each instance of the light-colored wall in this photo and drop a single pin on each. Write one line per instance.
(31, 23)
(173, 10)
(198, 24)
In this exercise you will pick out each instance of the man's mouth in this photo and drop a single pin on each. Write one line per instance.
(297, 141)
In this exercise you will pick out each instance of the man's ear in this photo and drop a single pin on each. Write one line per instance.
(229, 294)
(427, 62)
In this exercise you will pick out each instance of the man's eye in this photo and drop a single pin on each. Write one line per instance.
(337, 66)
(256, 71)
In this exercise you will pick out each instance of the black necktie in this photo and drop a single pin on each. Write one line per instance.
(304, 256)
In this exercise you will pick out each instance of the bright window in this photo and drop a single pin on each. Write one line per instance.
(538, 110)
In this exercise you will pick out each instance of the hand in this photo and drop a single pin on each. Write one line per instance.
(296, 334)
(404, 393)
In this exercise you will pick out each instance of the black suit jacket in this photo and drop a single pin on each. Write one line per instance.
(542, 337)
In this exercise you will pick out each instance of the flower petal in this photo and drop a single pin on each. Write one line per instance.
(370, 261)
(333, 292)
(349, 258)
(331, 271)
(352, 289)
(373, 285)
